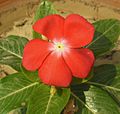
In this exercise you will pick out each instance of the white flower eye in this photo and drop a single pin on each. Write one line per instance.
(59, 47)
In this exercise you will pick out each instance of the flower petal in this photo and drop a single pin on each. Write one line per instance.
(54, 71)
(34, 53)
(80, 61)
(51, 26)
(78, 31)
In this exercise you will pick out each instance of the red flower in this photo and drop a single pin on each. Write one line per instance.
(62, 56)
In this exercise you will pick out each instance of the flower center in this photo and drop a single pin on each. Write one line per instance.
(59, 46)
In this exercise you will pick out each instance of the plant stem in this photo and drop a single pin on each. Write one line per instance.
(82, 102)
(105, 86)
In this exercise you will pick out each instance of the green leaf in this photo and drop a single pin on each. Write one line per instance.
(103, 97)
(30, 75)
(11, 49)
(15, 91)
(97, 101)
(106, 34)
(100, 102)
(20, 110)
(108, 77)
(78, 92)
(48, 100)
(44, 9)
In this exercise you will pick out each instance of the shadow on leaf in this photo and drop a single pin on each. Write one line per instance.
(101, 44)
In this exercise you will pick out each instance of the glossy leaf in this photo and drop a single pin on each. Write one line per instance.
(44, 9)
(108, 77)
(96, 101)
(106, 34)
(103, 97)
(11, 49)
(47, 100)
(15, 91)
(100, 102)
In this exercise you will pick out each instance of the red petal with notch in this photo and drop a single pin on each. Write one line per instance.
(34, 53)
(54, 71)
(80, 61)
(51, 26)
(78, 31)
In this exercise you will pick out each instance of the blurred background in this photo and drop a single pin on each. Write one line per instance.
(14, 10)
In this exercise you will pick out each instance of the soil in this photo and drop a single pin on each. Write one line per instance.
(16, 18)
